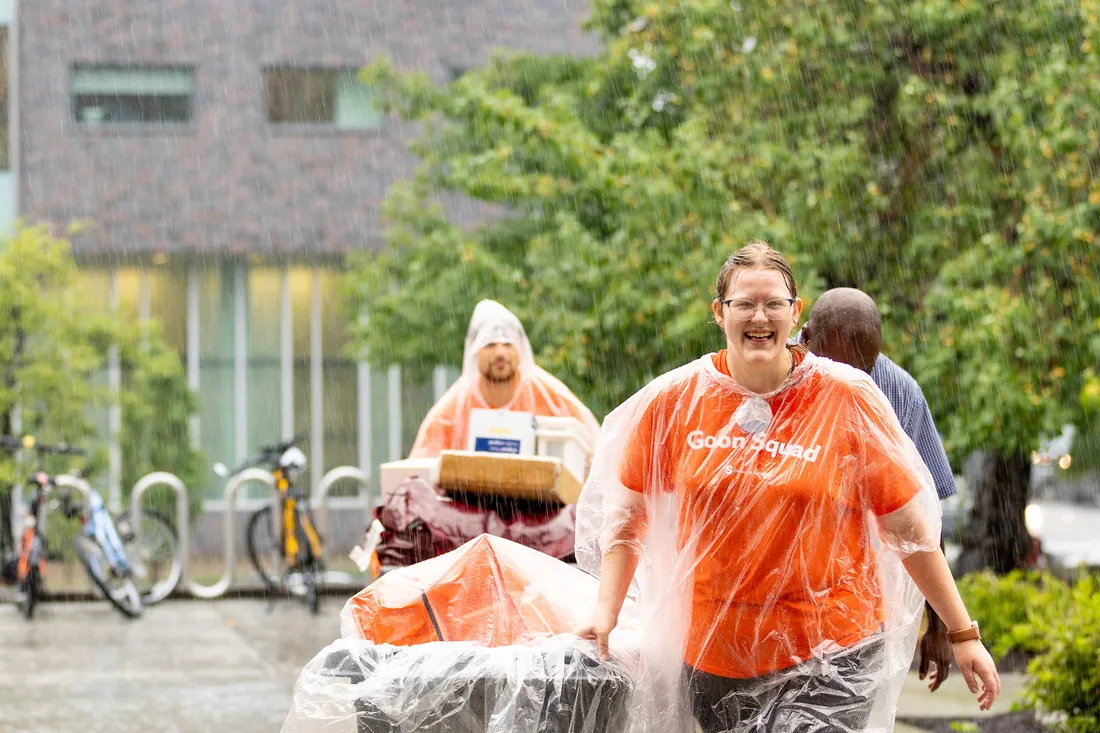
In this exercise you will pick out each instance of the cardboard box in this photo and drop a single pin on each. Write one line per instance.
(393, 473)
(523, 477)
(501, 431)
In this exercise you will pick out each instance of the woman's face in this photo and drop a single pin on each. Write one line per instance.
(761, 339)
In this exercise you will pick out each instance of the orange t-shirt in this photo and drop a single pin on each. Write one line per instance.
(775, 522)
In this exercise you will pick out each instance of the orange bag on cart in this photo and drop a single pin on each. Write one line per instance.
(490, 591)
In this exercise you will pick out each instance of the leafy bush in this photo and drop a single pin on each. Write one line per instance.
(1065, 678)
(1015, 610)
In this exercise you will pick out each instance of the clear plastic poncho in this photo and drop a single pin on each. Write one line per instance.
(538, 392)
(476, 640)
(771, 529)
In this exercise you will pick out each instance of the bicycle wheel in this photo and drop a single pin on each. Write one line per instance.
(313, 593)
(32, 592)
(264, 548)
(310, 566)
(118, 589)
(311, 576)
(157, 562)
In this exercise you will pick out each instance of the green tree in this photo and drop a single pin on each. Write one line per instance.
(157, 405)
(53, 353)
(935, 153)
(610, 248)
(49, 344)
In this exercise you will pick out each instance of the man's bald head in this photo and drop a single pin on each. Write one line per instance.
(845, 326)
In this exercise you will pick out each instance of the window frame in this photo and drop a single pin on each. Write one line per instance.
(314, 128)
(156, 127)
(5, 100)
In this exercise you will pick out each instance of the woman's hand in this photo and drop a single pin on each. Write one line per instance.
(598, 628)
(974, 662)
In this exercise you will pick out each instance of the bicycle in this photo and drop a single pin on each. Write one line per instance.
(104, 558)
(108, 551)
(290, 561)
(105, 549)
(31, 564)
(31, 558)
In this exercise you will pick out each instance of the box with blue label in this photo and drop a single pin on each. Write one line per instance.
(501, 431)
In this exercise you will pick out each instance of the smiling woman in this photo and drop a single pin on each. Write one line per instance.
(780, 524)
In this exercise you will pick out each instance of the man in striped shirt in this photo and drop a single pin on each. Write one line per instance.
(845, 326)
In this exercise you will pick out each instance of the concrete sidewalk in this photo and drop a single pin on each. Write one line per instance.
(183, 667)
(229, 665)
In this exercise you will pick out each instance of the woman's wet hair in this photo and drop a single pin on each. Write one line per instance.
(756, 254)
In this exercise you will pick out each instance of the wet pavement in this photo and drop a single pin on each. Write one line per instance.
(196, 666)
(953, 700)
(186, 666)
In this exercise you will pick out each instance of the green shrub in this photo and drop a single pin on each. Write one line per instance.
(1065, 678)
(1015, 610)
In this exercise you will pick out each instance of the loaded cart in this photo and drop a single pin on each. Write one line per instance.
(464, 688)
(431, 506)
(474, 641)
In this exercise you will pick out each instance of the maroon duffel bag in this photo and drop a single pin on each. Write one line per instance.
(421, 524)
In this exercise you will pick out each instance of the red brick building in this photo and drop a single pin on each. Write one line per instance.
(229, 159)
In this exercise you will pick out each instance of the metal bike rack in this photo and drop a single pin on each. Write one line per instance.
(230, 536)
(318, 504)
(66, 481)
(183, 516)
(340, 473)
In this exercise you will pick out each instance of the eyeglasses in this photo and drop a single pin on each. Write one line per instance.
(774, 310)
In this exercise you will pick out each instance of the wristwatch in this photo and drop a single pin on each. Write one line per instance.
(970, 633)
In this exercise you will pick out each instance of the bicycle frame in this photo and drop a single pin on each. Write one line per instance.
(32, 548)
(290, 513)
(99, 526)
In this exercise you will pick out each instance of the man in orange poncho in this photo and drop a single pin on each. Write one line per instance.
(498, 373)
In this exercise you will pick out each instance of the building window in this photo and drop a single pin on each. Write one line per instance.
(142, 95)
(5, 142)
(333, 97)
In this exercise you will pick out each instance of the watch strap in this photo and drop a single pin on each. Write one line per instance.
(970, 633)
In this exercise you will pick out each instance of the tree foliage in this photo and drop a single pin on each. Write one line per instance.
(53, 353)
(937, 153)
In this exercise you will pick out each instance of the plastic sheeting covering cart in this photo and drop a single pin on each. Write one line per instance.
(473, 641)
(461, 688)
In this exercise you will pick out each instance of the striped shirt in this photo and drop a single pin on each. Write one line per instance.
(909, 405)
